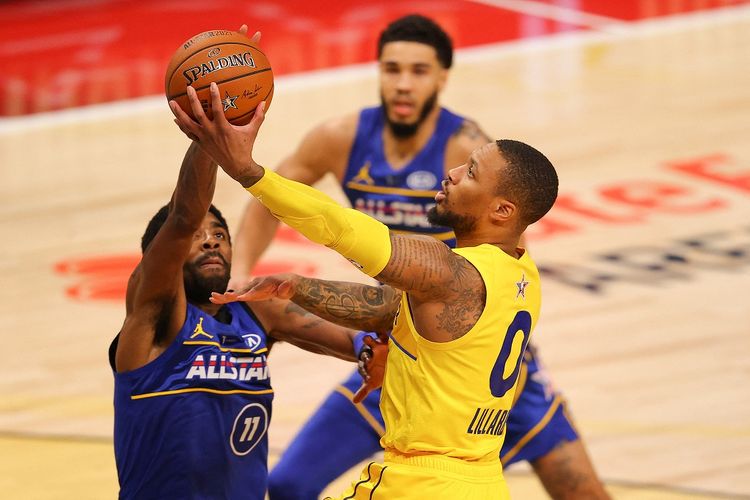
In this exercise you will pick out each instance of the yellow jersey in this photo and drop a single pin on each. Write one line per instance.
(453, 398)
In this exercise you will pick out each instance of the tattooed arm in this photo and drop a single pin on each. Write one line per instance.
(446, 292)
(353, 305)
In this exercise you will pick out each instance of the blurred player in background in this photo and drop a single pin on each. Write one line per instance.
(390, 160)
(192, 389)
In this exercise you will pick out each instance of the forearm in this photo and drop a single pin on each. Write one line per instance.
(361, 239)
(339, 346)
(353, 305)
(311, 333)
(195, 186)
(255, 233)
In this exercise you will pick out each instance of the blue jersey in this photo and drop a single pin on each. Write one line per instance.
(399, 198)
(192, 423)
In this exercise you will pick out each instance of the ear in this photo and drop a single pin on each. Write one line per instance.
(442, 79)
(502, 210)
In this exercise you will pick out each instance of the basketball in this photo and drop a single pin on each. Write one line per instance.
(239, 68)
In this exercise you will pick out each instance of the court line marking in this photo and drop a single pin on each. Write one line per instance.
(323, 77)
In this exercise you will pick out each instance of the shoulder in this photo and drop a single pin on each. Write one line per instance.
(335, 132)
(468, 137)
(324, 149)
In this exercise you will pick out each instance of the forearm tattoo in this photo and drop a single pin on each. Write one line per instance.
(353, 305)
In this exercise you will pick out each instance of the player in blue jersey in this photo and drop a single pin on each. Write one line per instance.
(192, 388)
(390, 160)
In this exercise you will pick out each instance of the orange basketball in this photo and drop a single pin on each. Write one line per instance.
(238, 67)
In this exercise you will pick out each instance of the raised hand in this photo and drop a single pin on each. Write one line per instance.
(371, 366)
(231, 146)
(255, 39)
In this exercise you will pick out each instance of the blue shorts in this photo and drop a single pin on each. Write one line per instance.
(341, 434)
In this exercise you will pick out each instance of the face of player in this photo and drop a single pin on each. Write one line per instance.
(411, 78)
(207, 268)
(469, 192)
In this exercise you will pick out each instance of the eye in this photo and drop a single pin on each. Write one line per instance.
(470, 173)
(219, 236)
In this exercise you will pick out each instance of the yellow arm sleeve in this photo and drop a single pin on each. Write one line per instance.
(363, 240)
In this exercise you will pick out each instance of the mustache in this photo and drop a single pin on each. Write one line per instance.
(211, 255)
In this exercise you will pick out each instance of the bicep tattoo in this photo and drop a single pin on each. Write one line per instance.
(471, 130)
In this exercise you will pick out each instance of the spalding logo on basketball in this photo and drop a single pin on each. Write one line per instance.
(239, 68)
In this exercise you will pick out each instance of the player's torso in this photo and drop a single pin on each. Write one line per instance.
(399, 198)
(453, 398)
(193, 421)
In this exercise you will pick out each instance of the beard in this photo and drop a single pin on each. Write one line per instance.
(406, 130)
(198, 287)
(460, 224)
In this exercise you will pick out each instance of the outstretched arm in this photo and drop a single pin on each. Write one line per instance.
(353, 305)
(155, 301)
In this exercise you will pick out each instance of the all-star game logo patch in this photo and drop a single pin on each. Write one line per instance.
(521, 285)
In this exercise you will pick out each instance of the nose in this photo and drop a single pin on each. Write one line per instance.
(403, 82)
(455, 174)
(210, 242)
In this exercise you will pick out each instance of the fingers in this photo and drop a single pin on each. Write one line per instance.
(185, 131)
(261, 290)
(195, 105)
(362, 367)
(223, 298)
(216, 104)
(361, 393)
(369, 341)
(183, 121)
(243, 29)
(253, 127)
(285, 290)
(255, 39)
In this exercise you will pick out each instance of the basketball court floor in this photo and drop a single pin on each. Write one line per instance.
(644, 107)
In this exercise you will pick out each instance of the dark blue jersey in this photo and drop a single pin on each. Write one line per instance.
(399, 198)
(192, 423)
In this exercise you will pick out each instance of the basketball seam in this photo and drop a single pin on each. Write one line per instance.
(177, 96)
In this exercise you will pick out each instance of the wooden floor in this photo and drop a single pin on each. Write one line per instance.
(646, 319)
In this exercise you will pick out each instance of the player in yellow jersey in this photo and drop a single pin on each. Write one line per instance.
(465, 314)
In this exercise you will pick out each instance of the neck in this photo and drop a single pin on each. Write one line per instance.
(208, 307)
(400, 150)
(506, 243)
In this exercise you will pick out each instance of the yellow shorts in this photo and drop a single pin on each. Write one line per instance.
(434, 477)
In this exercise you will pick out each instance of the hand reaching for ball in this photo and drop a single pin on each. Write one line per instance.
(255, 39)
(231, 146)
(221, 70)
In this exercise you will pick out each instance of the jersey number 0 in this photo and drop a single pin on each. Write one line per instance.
(499, 385)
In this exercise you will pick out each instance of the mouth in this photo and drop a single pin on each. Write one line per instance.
(440, 196)
(212, 263)
(402, 109)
